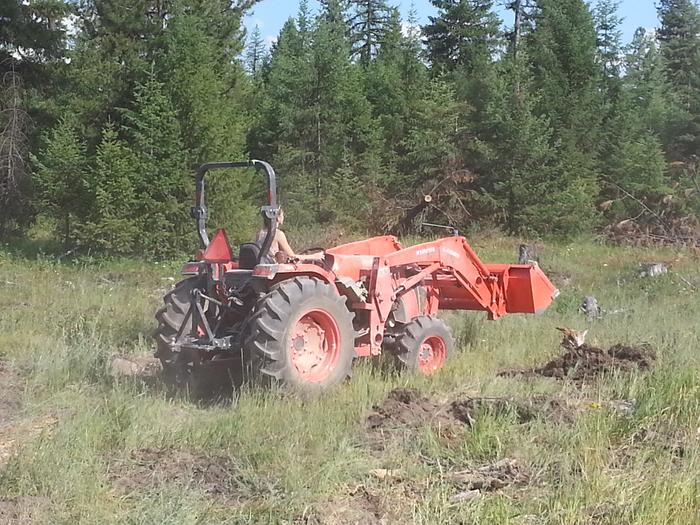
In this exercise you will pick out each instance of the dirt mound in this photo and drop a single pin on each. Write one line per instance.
(406, 407)
(368, 504)
(644, 358)
(147, 469)
(468, 410)
(589, 362)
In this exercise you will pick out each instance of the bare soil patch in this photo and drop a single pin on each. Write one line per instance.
(490, 477)
(369, 504)
(22, 510)
(652, 441)
(11, 388)
(360, 507)
(407, 408)
(16, 431)
(559, 279)
(10, 405)
(147, 469)
(552, 409)
(588, 362)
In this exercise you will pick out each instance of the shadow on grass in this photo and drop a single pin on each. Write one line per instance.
(29, 248)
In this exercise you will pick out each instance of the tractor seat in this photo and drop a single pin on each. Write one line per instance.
(248, 255)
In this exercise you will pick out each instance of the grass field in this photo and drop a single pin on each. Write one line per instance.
(76, 447)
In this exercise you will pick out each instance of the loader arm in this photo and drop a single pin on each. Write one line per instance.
(454, 260)
(451, 268)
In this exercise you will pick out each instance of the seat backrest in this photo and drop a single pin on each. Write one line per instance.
(248, 256)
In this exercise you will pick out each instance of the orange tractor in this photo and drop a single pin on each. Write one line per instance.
(301, 325)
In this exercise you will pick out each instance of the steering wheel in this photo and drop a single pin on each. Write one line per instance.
(309, 251)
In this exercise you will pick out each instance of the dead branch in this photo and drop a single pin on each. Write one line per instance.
(13, 140)
(647, 208)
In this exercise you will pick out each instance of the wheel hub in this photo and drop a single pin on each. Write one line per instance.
(432, 355)
(314, 345)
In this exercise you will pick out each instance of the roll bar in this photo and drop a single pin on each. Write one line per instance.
(269, 212)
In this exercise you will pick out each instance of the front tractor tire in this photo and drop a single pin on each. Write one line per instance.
(425, 345)
(301, 337)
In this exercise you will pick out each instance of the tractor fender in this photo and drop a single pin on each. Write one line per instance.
(289, 271)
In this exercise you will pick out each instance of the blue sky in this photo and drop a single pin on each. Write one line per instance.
(269, 15)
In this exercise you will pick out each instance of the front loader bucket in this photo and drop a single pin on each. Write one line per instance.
(527, 289)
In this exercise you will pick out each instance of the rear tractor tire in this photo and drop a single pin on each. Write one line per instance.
(301, 337)
(424, 345)
(170, 317)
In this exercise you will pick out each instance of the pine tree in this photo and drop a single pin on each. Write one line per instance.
(679, 37)
(464, 35)
(609, 42)
(521, 170)
(153, 132)
(637, 167)
(205, 82)
(32, 35)
(345, 138)
(383, 85)
(647, 93)
(304, 23)
(32, 44)
(369, 25)
(59, 174)
(562, 55)
(413, 70)
(524, 15)
(112, 225)
(434, 124)
(177, 95)
(284, 131)
(209, 92)
(255, 53)
(334, 11)
(633, 161)
(316, 122)
(395, 84)
(609, 59)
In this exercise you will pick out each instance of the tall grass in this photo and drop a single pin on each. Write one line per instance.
(310, 461)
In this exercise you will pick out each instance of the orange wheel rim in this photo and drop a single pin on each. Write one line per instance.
(314, 345)
(432, 355)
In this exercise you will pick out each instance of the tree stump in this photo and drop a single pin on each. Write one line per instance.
(140, 367)
(528, 254)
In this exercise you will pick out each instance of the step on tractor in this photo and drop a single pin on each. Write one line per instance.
(300, 325)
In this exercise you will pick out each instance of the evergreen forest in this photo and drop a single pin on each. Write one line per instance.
(547, 124)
